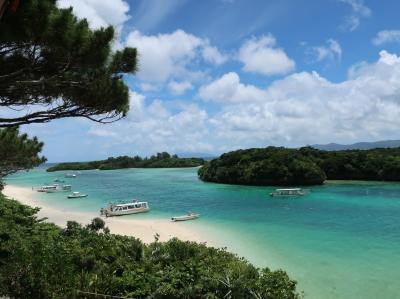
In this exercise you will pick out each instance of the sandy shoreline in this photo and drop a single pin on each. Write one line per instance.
(144, 229)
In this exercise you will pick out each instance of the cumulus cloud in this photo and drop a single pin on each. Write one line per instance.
(171, 55)
(179, 88)
(99, 13)
(359, 11)
(213, 55)
(305, 108)
(386, 36)
(260, 55)
(228, 88)
(330, 52)
(302, 108)
(152, 128)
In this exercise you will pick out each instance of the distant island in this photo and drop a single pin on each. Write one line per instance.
(358, 145)
(278, 166)
(160, 160)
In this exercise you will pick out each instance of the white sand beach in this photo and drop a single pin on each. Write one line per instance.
(144, 229)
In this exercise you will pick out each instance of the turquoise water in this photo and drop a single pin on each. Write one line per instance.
(340, 241)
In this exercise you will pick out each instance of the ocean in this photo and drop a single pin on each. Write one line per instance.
(341, 240)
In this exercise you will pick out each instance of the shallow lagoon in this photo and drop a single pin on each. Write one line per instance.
(342, 240)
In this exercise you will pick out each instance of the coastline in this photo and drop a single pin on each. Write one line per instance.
(143, 229)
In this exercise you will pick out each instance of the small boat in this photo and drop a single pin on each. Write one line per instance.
(125, 208)
(288, 192)
(70, 175)
(46, 188)
(77, 195)
(59, 188)
(188, 216)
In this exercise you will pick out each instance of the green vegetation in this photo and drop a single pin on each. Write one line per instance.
(305, 166)
(381, 164)
(161, 160)
(41, 260)
(18, 152)
(52, 65)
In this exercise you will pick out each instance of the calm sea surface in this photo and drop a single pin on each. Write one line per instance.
(342, 240)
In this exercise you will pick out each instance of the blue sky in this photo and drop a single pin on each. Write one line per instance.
(218, 75)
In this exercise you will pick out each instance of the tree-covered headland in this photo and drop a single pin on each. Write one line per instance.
(280, 166)
(41, 260)
(160, 160)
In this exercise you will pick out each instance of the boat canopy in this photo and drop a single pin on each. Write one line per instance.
(130, 204)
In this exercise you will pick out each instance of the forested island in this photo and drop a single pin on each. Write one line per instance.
(279, 166)
(160, 160)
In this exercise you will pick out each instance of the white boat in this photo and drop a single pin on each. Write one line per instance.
(188, 216)
(77, 195)
(46, 188)
(70, 175)
(288, 192)
(125, 208)
(59, 188)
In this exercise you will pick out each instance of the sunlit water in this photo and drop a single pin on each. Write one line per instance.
(342, 240)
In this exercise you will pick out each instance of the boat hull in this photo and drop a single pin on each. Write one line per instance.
(286, 195)
(80, 196)
(109, 213)
(185, 217)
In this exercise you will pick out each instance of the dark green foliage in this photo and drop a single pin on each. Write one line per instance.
(304, 166)
(40, 260)
(161, 160)
(54, 62)
(18, 152)
(269, 166)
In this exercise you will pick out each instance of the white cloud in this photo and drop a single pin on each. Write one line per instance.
(359, 10)
(305, 108)
(170, 56)
(99, 13)
(145, 86)
(179, 88)
(302, 108)
(153, 128)
(330, 52)
(213, 55)
(259, 55)
(386, 36)
(229, 89)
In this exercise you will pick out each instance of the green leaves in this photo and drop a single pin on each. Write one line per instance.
(52, 61)
(18, 152)
(263, 166)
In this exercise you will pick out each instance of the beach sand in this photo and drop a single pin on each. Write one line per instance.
(144, 229)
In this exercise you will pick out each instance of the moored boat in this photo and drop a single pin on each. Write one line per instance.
(288, 192)
(77, 195)
(59, 188)
(125, 208)
(70, 175)
(46, 188)
(188, 216)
